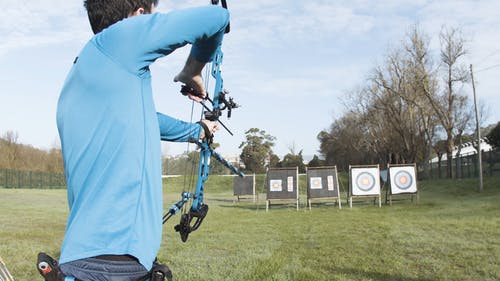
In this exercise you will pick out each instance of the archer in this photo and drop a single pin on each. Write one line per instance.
(110, 134)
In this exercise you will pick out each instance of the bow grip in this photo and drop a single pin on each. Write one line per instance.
(186, 90)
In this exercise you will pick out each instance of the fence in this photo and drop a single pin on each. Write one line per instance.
(467, 166)
(31, 179)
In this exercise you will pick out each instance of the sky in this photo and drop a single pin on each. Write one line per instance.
(289, 64)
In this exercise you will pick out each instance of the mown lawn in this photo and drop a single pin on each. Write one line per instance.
(452, 234)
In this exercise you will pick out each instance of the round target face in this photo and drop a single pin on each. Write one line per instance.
(403, 180)
(365, 181)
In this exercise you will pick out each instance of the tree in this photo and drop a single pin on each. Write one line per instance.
(257, 150)
(316, 162)
(344, 143)
(18, 156)
(396, 115)
(493, 137)
(451, 106)
(10, 148)
(293, 159)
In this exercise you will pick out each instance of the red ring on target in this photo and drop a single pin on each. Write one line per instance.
(403, 180)
(365, 181)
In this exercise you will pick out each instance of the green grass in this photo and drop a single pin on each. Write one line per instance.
(452, 234)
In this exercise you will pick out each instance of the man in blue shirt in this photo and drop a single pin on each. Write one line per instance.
(110, 132)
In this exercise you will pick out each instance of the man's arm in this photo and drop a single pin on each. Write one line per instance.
(172, 129)
(175, 130)
(138, 41)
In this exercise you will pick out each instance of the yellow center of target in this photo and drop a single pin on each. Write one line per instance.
(315, 182)
(275, 184)
(403, 180)
(365, 181)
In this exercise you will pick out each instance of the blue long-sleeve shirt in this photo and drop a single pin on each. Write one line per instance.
(110, 131)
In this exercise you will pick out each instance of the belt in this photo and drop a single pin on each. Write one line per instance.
(117, 258)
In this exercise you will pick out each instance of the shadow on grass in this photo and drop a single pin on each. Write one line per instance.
(360, 274)
(261, 206)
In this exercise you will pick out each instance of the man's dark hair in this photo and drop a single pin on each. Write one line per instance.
(103, 13)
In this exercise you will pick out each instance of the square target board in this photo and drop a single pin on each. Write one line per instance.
(282, 184)
(364, 180)
(403, 179)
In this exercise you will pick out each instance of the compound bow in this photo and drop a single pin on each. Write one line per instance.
(192, 219)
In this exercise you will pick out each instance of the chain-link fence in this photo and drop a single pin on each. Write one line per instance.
(467, 166)
(31, 179)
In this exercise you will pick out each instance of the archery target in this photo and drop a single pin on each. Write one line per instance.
(282, 183)
(244, 185)
(322, 182)
(315, 183)
(365, 181)
(403, 179)
(275, 185)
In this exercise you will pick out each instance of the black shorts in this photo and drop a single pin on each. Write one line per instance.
(94, 269)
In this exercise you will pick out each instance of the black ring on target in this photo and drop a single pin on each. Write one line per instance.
(403, 180)
(365, 176)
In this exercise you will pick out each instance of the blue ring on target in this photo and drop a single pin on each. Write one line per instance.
(365, 181)
(403, 180)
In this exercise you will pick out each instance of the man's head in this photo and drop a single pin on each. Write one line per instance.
(103, 13)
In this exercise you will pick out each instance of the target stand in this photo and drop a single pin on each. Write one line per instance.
(282, 184)
(244, 186)
(322, 183)
(402, 181)
(364, 182)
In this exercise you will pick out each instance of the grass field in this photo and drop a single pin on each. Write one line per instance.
(452, 234)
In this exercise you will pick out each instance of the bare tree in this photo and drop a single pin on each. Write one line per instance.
(10, 150)
(450, 106)
(397, 89)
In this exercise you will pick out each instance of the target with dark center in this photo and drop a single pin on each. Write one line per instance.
(403, 180)
(365, 181)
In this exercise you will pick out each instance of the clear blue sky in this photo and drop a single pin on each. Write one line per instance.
(288, 63)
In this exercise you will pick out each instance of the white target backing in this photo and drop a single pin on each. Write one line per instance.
(275, 185)
(315, 183)
(403, 179)
(365, 181)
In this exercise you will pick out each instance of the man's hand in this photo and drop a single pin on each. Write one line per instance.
(191, 76)
(209, 128)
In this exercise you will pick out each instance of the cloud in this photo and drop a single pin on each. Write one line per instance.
(35, 23)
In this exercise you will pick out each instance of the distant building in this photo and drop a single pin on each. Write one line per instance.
(467, 149)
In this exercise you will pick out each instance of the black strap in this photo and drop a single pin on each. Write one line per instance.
(208, 135)
(159, 272)
(117, 258)
(48, 267)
